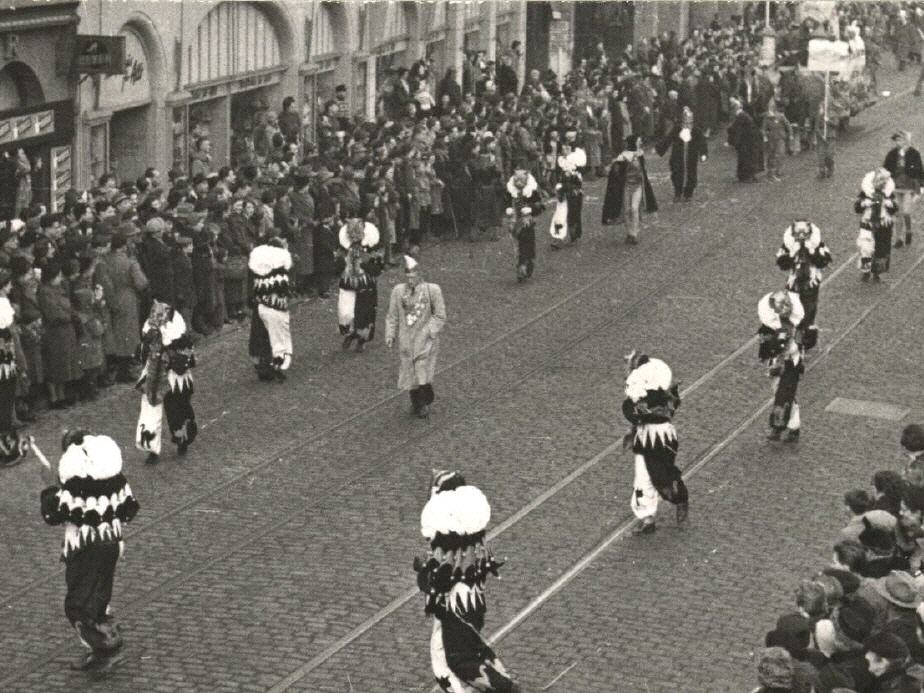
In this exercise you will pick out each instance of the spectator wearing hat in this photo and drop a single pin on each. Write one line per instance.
(184, 287)
(24, 295)
(888, 487)
(128, 284)
(59, 338)
(155, 259)
(299, 237)
(89, 308)
(236, 240)
(324, 245)
(209, 312)
(200, 161)
(888, 658)
(881, 556)
(840, 641)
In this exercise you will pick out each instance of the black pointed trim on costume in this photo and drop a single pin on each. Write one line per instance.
(87, 487)
(453, 541)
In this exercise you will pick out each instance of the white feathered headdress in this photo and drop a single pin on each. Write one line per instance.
(652, 374)
(454, 508)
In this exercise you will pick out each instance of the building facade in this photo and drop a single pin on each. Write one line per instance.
(214, 68)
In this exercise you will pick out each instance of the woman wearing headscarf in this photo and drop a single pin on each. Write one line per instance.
(688, 148)
(628, 187)
(416, 315)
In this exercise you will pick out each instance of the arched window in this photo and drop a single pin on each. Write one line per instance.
(395, 22)
(323, 41)
(233, 38)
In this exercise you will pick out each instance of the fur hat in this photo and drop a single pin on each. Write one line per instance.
(876, 539)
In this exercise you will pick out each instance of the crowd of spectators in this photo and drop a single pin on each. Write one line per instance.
(433, 163)
(859, 623)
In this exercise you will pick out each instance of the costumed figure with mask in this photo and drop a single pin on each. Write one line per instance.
(452, 578)
(90, 496)
(876, 206)
(688, 149)
(360, 261)
(523, 203)
(416, 316)
(652, 399)
(166, 382)
(13, 447)
(566, 225)
(803, 254)
(270, 336)
(780, 347)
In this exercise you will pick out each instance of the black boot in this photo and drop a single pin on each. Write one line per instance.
(415, 400)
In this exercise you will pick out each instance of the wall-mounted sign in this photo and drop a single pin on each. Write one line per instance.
(99, 55)
(828, 56)
(132, 86)
(25, 126)
(61, 176)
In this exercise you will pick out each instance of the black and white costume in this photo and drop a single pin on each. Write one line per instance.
(452, 576)
(270, 337)
(803, 255)
(523, 203)
(651, 401)
(566, 226)
(92, 500)
(166, 382)
(876, 206)
(12, 446)
(780, 347)
(359, 262)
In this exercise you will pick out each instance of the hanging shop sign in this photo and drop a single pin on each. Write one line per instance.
(99, 55)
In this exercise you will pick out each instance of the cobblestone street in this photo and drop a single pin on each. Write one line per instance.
(278, 553)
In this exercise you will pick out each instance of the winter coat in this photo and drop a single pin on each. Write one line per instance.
(301, 241)
(415, 319)
(486, 179)
(913, 167)
(184, 287)
(59, 341)
(614, 199)
(128, 281)
(29, 322)
(157, 265)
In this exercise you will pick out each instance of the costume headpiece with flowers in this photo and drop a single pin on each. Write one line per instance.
(93, 498)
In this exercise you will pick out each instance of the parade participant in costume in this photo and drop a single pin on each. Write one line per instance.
(903, 162)
(651, 402)
(90, 496)
(416, 315)
(452, 576)
(270, 337)
(12, 446)
(359, 263)
(876, 206)
(780, 347)
(803, 254)
(166, 382)
(628, 186)
(688, 148)
(567, 226)
(523, 203)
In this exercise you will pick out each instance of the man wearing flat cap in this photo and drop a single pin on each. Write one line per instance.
(154, 258)
(888, 658)
(904, 163)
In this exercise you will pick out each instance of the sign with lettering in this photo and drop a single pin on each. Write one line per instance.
(99, 55)
(133, 85)
(61, 176)
(25, 126)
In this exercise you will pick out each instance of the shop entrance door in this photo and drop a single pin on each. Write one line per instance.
(128, 143)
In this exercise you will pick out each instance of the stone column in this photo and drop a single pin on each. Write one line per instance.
(455, 37)
(489, 26)
(519, 34)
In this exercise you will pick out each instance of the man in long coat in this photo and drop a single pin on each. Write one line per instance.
(743, 136)
(303, 213)
(128, 281)
(416, 315)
